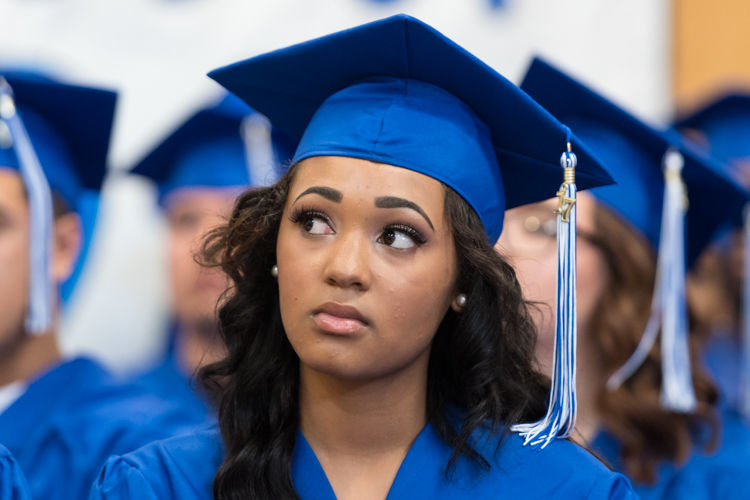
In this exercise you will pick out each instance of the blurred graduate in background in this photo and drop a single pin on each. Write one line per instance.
(199, 170)
(12, 481)
(60, 418)
(717, 286)
(648, 409)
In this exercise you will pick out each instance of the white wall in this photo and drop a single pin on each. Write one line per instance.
(155, 52)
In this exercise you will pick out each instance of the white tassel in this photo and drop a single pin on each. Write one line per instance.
(744, 400)
(259, 154)
(39, 314)
(560, 419)
(668, 306)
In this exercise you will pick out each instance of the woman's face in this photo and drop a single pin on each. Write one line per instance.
(367, 266)
(529, 241)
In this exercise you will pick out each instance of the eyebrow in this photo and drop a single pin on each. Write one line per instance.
(328, 193)
(394, 202)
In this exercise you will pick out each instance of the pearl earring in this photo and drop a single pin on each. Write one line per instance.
(275, 271)
(461, 300)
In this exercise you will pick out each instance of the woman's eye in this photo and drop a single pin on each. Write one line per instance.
(397, 238)
(315, 224)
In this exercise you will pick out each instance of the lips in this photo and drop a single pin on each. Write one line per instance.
(339, 319)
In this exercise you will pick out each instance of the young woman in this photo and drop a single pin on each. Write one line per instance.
(662, 450)
(377, 345)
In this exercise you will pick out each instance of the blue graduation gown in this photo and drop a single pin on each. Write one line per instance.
(167, 382)
(12, 483)
(74, 416)
(184, 468)
(723, 475)
(722, 358)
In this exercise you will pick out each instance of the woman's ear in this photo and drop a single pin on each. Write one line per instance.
(66, 245)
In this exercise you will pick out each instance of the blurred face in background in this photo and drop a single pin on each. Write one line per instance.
(529, 241)
(14, 255)
(14, 259)
(191, 213)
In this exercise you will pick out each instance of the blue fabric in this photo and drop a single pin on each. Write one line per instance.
(12, 482)
(722, 360)
(722, 475)
(374, 120)
(184, 467)
(329, 80)
(168, 382)
(74, 416)
(633, 153)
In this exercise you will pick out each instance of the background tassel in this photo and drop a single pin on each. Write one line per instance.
(668, 306)
(39, 314)
(560, 419)
(744, 403)
(259, 153)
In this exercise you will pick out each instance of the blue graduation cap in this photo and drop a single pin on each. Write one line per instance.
(726, 124)
(397, 91)
(448, 115)
(225, 145)
(649, 167)
(57, 136)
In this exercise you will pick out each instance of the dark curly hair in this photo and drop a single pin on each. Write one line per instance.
(649, 434)
(481, 368)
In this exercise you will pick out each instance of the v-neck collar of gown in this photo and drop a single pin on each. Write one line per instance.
(412, 480)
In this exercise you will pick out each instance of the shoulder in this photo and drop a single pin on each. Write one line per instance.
(102, 416)
(124, 409)
(179, 467)
(562, 469)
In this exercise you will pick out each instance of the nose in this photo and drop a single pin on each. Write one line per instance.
(348, 262)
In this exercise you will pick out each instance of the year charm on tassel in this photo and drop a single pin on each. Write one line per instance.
(564, 202)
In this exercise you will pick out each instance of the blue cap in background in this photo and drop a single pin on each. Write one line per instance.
(224, 145)
(633, 152)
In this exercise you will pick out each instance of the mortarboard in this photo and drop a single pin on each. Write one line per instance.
(636, 153)
(726, 125)
(233, 141)
(397, 91)
(409, 76)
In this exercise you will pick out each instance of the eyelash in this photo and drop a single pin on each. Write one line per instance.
(409, 231)
(302, 214)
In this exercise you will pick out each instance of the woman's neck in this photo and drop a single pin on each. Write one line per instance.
(361, 416)
(362, 430)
